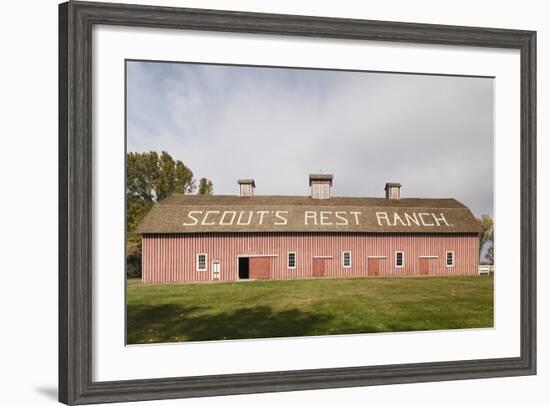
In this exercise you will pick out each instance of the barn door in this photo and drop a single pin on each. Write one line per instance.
(259, 267)
(318, 267)
(424, 266)
(373, 266)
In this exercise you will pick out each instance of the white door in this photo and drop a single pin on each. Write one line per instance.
(216, 270)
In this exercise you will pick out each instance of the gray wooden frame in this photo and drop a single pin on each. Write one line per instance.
(76, 20)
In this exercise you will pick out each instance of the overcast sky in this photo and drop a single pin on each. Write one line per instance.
(433, 134)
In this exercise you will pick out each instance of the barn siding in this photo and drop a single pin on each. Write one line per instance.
(171, 258)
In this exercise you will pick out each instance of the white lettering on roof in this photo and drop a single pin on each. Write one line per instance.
(281, 218)
(204, 223)
(325, 218)
(382, 215)
(440, 218)
(396, 217)
(356, 214)
(340, 219)
(411, 219)
(310, 215)
(194, 220)
(421, 215)
(311, 218)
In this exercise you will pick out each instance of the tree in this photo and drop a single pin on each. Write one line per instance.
(490, 254)
(487, 236)
(149, 178)
(206, 187)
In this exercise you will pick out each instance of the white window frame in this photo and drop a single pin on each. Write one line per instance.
(288, 259)
(402, 259)
(344, 259)
(320, 191)
(246, 189)
(452, 259)
(205, 262)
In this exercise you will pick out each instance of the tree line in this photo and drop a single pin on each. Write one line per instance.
(151, 177)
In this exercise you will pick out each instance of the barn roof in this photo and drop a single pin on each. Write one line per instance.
(315, 177)
(228, 213)
(246, 182)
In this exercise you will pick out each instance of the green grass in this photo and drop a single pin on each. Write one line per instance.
(223, 311)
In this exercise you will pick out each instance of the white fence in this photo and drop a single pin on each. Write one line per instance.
(486, 269)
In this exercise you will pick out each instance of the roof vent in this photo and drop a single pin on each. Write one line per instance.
(320, 186)
(393, 190)
(246, 187)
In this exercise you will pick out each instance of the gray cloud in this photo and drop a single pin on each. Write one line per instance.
(434, 134)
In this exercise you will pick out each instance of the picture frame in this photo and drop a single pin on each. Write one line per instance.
(76, 20)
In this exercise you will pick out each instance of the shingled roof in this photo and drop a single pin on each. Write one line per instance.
(228, 213)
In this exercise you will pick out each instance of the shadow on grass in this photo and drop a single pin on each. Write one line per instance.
(173, 323)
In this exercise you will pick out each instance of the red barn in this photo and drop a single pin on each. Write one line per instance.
(202, 238)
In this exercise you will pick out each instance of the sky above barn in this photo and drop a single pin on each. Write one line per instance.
(433, 134)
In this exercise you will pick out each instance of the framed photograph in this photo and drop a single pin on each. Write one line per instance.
(259, 202)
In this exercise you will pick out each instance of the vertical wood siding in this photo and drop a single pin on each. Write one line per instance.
(172, 258)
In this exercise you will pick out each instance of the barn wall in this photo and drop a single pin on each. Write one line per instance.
(171, 258)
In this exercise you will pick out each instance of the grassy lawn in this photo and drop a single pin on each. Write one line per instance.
(223, 311)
